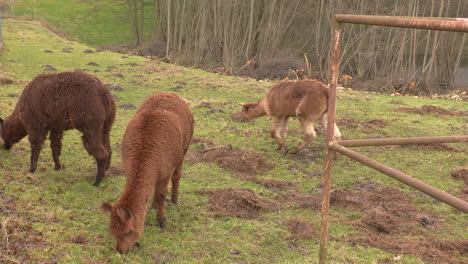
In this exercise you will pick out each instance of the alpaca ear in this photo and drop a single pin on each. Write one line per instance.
(1, 121)
(105, 207)
(123, 213)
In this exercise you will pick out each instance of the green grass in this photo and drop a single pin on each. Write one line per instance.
(93, 22)
(60, 206)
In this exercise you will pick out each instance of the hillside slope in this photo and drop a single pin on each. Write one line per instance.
(241, 203)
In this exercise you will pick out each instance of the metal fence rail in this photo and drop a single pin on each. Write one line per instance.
(446, 24)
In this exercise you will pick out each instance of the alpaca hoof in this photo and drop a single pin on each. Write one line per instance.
(96, 184)
(58, 167)
(286, 151)
(32, 170)
(295, 151)
(162, 224)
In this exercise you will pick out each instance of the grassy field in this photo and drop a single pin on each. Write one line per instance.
(54, 217)
(92, 22)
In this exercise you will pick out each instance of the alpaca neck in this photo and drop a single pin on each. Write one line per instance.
(258, 110)
(137, 193)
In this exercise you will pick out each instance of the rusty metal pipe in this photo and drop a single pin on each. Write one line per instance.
(401, 141)
(335, 59)
(449, 24)
(404, 178)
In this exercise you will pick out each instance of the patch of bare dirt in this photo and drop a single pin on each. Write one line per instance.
(239, 202)
(300, 228)
(427, 110)
(302, 201)
(275, 184)
(80, 239)
(365, 126)
(127, 106)
(385, 210)
(115, 170)
(368, 186)
(237, 160)
(308, 155)
(196, 140)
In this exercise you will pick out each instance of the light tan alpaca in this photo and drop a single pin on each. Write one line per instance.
(305, 99)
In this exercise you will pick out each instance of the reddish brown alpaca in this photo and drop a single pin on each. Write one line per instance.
(57, 102)
(305, 99)
(153, 150)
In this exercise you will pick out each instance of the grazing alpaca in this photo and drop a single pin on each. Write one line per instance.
(56, 102)
(153, 150)
(305, 99)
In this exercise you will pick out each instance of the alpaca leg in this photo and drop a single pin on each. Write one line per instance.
(284, 128)
(107, 146)
(93, 144)
(309, 133)
(106, 141)
(55, 138)
(277, 124)
(160, 192)
(175, 184)
(336, 132)
(36, 139)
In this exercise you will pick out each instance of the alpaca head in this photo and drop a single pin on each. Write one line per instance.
(122, 227)
(3, 135)
(11, 132)
(247, 111)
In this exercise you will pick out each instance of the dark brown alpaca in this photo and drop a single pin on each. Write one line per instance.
(153, 150)
(305, 99)
(56, 102)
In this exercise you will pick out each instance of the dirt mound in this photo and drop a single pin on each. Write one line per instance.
(427, 110)
(386, 210)
(300, 228)
(460, 174)
(239, 161)
(387, 214)
(240, 202)
(431, 249)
